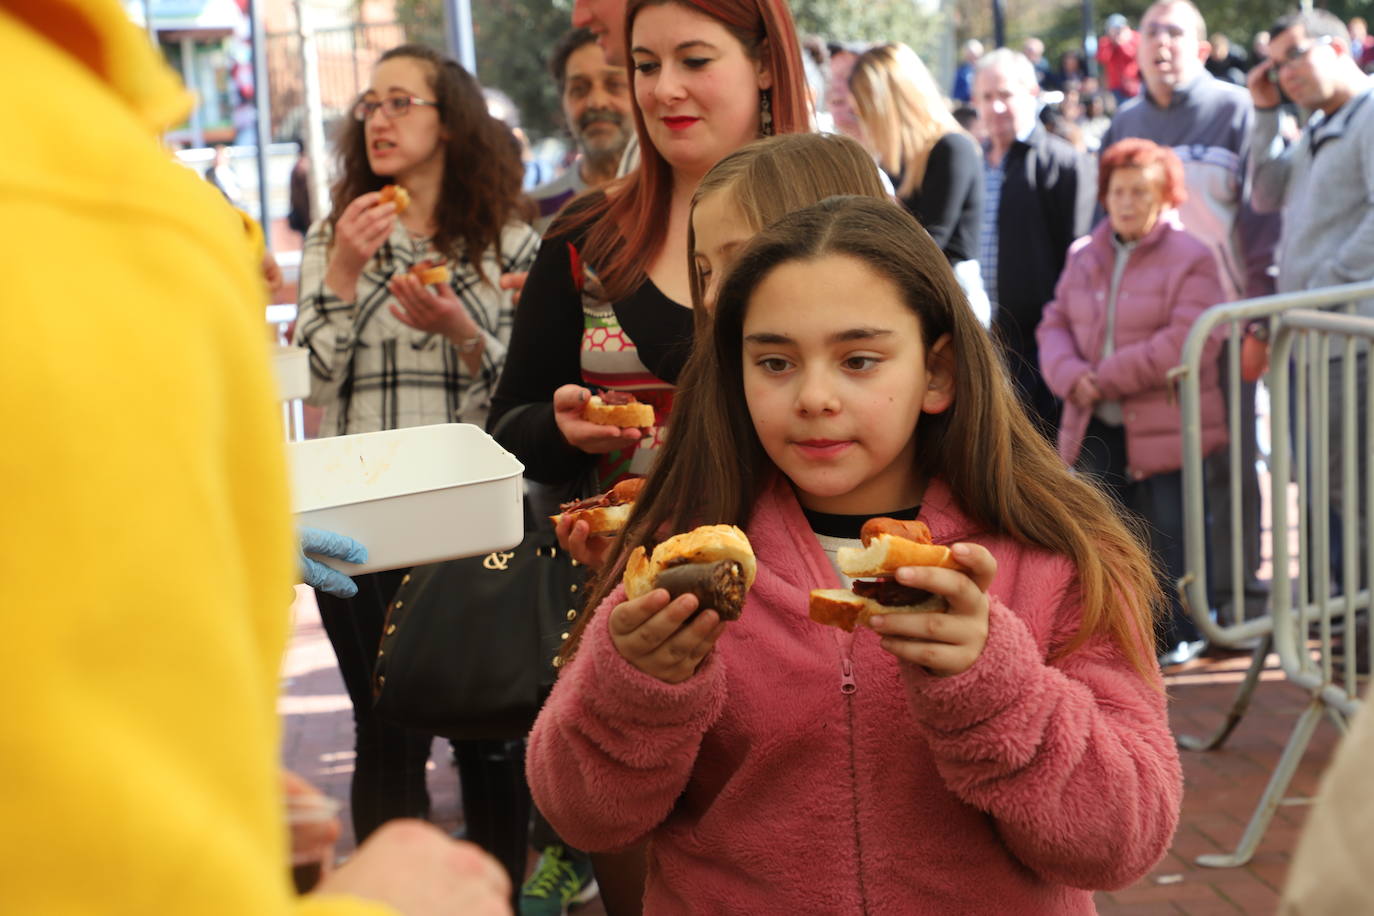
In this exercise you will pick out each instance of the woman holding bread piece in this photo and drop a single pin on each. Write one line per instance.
(1007, 753)
(406, 326)
(606, 309)
(399, 305)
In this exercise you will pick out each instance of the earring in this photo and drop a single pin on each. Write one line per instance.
(765, 114)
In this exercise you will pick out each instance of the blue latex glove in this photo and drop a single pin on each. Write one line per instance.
(328, 544)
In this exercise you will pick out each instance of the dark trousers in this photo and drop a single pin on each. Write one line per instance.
(1156, 500)
(389, 769)
(496, 801)
(1217, 482)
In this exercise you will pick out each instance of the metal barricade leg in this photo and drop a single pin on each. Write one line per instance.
(1273, 792)
(1238, 706)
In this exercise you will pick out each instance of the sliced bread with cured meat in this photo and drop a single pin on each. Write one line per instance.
(888, 544)
(606, 513)
(618, 408)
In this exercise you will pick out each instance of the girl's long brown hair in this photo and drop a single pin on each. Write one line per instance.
(481, 189)
(998, 466)
(627, 224)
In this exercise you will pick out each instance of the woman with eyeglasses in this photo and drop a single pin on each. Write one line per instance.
(388, 351)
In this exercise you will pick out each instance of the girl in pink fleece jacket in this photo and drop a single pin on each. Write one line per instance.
(1008, 756)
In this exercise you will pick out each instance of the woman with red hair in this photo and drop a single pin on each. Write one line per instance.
(1123, 307)
(607, 302)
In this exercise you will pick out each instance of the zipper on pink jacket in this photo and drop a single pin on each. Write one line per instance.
(848, 685)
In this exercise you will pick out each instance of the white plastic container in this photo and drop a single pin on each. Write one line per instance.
(291, 365)
(411, 496)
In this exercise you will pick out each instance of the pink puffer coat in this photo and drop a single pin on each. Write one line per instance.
(1170, 279)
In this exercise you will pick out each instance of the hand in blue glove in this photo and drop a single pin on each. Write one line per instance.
(328, 544)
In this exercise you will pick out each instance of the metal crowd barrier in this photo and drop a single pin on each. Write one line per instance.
(1300, 593)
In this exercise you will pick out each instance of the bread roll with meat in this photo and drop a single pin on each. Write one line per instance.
(889, 544)
(633, 414)
(605, 514)
(723, 561)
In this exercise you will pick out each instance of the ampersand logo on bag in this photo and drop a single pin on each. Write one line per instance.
(498, 561)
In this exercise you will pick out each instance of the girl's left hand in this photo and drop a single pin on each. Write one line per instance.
(432, 309)
(943, 643)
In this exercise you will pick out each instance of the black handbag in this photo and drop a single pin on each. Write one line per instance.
(468, 645)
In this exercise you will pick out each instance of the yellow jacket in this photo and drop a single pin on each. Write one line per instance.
(146, 550)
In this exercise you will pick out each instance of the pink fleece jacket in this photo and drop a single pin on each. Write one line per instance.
(805, 770)
(1170, 278)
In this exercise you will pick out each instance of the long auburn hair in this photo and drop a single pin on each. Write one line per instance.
(481, 189)
(998, 466)
(769, 178)
(902, 111)
(627, 223)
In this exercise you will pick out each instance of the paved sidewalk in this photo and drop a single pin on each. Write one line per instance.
(1222, 786)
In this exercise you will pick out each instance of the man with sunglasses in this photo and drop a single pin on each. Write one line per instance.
(1207, 122)
(1323, 184)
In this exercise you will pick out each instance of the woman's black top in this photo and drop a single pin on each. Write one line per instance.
(949, 202)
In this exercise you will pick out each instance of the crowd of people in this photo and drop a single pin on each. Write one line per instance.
(956, 309)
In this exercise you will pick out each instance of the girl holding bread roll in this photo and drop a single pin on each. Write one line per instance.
(1008, 752)
(406, 326)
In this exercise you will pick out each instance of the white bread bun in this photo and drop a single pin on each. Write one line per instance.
(429, 275)
(839, 607)
(886, 552)
(612, 514)
(602, 519)
(706, 544)
(637, 415)
(394, 193)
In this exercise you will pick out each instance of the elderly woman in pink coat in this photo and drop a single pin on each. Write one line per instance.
(1128, 296)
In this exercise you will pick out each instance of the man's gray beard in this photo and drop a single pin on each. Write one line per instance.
(604, 160)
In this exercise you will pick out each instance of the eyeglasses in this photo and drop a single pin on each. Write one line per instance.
(1298, 52)
(395, 106)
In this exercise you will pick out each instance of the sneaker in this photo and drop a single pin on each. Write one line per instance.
(562, 878)
(1182, 653)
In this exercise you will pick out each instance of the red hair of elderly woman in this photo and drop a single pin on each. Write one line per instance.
(1139, 153)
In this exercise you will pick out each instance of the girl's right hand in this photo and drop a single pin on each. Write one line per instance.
(652, 633)
(593, 438)
(362, 228)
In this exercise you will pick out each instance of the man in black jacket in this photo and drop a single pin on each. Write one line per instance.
(1039, 198)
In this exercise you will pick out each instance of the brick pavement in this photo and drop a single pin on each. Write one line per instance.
(1222, 786)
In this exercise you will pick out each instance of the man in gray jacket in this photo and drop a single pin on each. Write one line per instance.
(1324, 185)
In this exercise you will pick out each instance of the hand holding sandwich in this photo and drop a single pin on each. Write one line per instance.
(660, 636)
(434, 309)
(943, 643)
(569, 407)
(708, 569)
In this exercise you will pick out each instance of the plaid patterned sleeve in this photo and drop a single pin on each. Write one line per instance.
(324, 322)
(494, 311)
